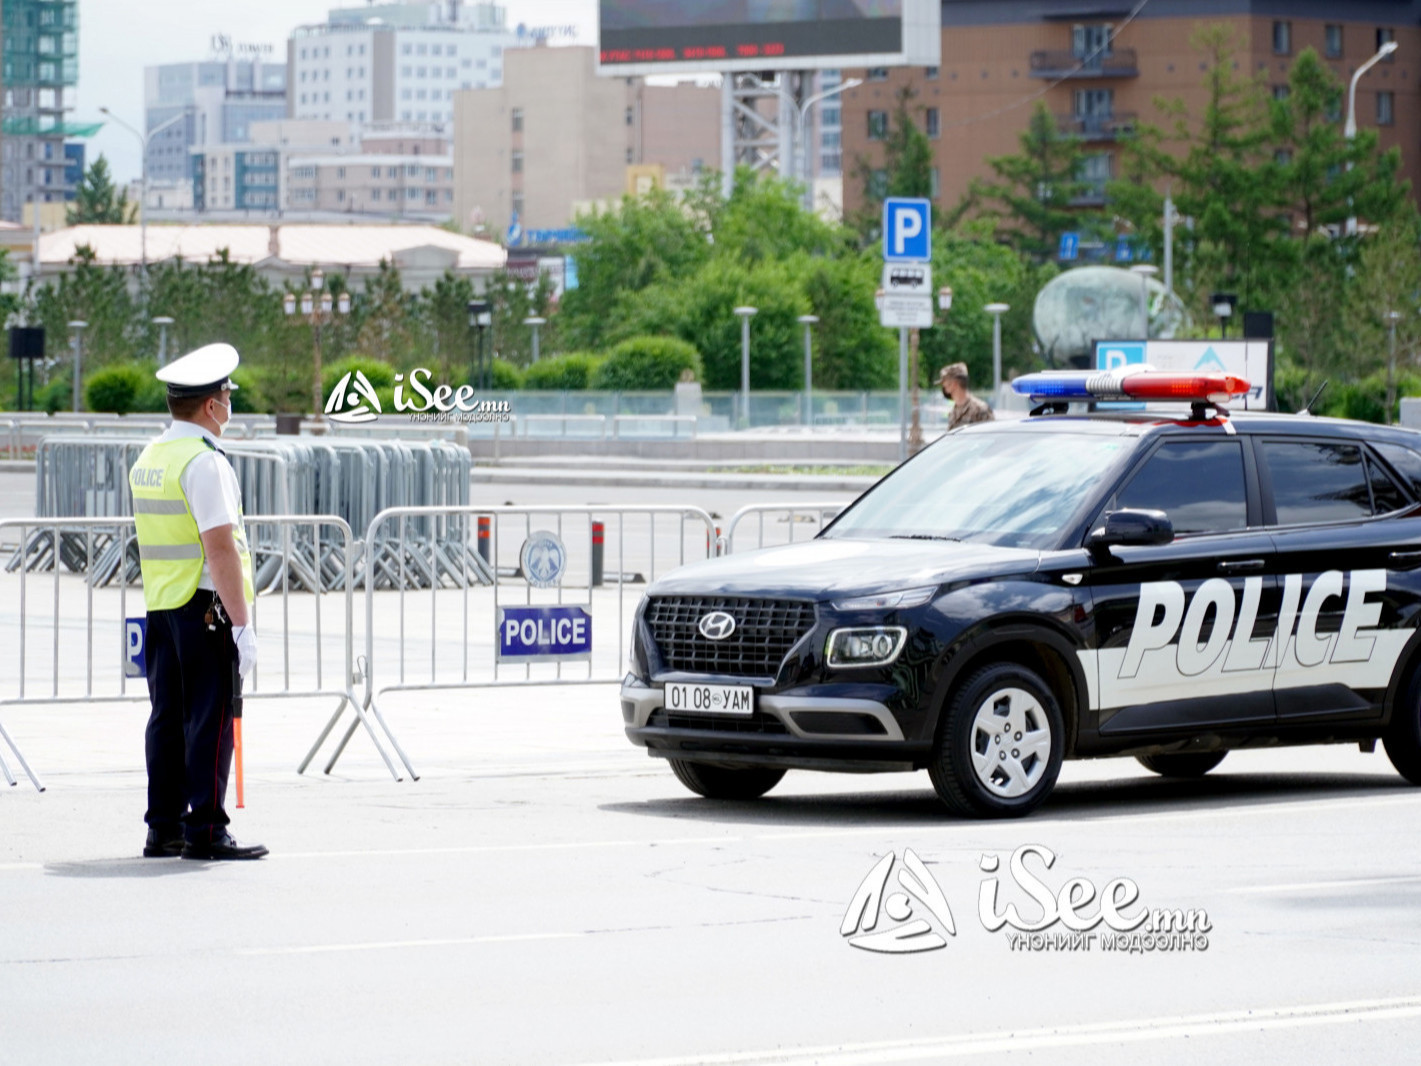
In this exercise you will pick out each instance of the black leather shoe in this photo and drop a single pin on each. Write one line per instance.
(223, 847)
(163, 843)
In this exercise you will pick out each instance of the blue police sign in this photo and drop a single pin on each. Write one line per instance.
(907, 230)
(527, 633)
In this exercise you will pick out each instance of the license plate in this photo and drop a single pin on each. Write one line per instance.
(710, 699)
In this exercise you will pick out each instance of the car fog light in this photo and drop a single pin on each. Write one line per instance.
(869, 646)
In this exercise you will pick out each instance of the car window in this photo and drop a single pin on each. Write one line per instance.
(1386, 496)
(1404, 461)
(1314, 481)
(1199, 484)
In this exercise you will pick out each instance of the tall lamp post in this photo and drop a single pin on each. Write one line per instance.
(143, 179)
(996, 311)
(1224, 303)
(1392, 318)
(77, 328)
(1349, 130)
(800, 153)
(317, 305)
(807, 321)
(745, 313)
(480, 318)
(535, 322)
(162, 322)
(1144, 271)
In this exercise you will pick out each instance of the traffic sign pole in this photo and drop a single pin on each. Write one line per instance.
(915, 431)
(902, 394)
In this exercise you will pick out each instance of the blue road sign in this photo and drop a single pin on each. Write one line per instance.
(1070, 246)
(562, 632)
(907, 230)
(1115, 355)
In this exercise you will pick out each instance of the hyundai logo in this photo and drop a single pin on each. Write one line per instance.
(716, 626)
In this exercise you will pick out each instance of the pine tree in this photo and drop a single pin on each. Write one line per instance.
(97, 201)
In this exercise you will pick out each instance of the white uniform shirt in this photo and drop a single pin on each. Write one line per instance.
(210, 484)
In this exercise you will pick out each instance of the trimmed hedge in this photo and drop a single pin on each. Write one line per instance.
(647, 363)
(572, 371)
(115, 389)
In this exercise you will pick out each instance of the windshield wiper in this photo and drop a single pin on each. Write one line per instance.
(922, 536)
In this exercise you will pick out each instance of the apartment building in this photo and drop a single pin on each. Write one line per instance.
(1100, 72)
(555, 136)
(373, 182)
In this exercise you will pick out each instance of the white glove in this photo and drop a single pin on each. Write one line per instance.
(246, 642)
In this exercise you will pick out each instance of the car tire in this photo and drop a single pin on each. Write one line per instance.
(1002, 702)
(726, 782)
(1182, 763)
(1403, 737)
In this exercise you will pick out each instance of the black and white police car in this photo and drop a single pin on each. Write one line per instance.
(1070, 585)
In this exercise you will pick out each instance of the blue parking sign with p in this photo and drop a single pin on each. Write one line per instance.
(907, 230)
(135, 634)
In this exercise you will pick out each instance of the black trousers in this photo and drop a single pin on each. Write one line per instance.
(189, 737)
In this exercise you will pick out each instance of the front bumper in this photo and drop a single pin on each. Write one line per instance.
(805, 730)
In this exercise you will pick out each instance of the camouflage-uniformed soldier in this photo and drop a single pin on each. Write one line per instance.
(966, 408)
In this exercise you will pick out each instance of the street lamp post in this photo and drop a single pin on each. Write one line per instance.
(1223, 303)
(480, 318)
(1392, 318)
(162, 322)
(799, 150)
(535, 322)
(318, 305)
(745, 313)
(996, 311)
(77, 327)
(143, 179)
(1349, 130)
(1145, 271)
(807, 321)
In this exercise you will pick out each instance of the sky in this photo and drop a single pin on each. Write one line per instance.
(113, 50)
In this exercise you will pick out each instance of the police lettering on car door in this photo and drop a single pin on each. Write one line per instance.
(1209, 641)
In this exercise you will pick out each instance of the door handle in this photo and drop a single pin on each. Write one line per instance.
(1240, 566)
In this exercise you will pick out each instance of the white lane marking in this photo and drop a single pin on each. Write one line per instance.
(1312, 886)
(1064, 1036)
(481, 849)
(385, 945)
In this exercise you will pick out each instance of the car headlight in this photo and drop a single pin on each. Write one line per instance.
(866, 646)
(883, 601)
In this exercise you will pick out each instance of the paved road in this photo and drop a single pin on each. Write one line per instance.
(547, 894)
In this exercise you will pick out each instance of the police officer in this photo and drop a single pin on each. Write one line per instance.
(966, 408)
(197, 585)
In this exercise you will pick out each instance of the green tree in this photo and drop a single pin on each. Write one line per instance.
(90, 293)
(445, 310)
(907, 168)
(98, 201)
(1037, 191)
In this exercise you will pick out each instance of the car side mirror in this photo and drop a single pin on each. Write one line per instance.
(1130, 528)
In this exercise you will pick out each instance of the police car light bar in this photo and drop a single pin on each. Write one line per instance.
(1133, 384)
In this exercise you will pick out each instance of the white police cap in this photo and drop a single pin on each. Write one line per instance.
(202, 371)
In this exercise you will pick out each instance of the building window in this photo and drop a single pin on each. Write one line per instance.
(374, 172)
(877, 125)
(1386, 108)
(421, 50)
(517, 162)
(830, 116)
(407, 72)
(518, 203)
(340, 172)
(407, 49)
(878, 184)
(1280, 92)
(1282, 157)
(930, 73)
(340, 196)
(1385, 35)
(932, 122)
(431, 175)
(877, 73)
(517, 120)
(1282, 38)
(631, 116)
(1332, 41)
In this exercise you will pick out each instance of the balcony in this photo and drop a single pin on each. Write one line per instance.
(1063, 63)
(1097, 127)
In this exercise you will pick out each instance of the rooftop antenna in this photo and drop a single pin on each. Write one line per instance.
(1307, 407)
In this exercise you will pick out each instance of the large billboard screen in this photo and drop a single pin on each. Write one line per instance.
(668, 36)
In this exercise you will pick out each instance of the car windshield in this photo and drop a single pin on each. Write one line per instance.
(1015, 489)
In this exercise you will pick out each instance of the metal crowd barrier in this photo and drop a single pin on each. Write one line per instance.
(37, 627)
(452, 633)
(351, 478)
(815, 515)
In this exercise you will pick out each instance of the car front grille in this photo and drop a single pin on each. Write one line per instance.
(765, 630)
(713, 723)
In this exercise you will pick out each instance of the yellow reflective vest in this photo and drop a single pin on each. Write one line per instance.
(169, 543)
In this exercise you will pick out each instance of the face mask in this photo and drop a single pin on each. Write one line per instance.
(222, 422)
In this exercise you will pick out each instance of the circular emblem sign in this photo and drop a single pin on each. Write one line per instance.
(544, 559)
